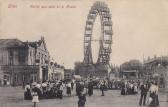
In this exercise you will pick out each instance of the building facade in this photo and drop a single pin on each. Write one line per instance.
(156, 69)
(42, 58)
(97, 70)
(22, 62)
(56, 72)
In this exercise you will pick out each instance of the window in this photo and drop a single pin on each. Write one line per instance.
(1, 58)
(11, 53)
(41, 58)
(10, 57)
(21, 57)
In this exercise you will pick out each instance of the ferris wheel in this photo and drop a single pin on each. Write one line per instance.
(98, 9)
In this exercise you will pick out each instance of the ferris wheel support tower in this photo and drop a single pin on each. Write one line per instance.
(101, 66)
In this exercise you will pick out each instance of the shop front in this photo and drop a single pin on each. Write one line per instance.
(19, 74)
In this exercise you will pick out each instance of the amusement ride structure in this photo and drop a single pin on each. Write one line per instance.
(100, 67)
(101, 9)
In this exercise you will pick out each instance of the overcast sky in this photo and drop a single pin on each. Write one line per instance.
(140, 27)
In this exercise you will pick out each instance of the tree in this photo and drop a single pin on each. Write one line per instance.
(132, 65)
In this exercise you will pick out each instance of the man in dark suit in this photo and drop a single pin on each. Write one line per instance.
(90, 88)
(144, 91)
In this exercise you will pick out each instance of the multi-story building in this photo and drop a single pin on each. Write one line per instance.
(56, 72)
(41, 58)
(156, 69)
(22, 62)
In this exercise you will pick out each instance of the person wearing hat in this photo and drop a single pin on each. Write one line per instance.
(60, 90)
(79, 87)
(72, 85)
(68, 88)
(144, 91)
(102, 87)
(154, 95)
(90, 88)
(123, 88)
(36, 89)
(82, 99)
(27, 93)
(44, 88)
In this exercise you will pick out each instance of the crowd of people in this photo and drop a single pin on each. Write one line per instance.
(114, 84)
(48, 89)
(152, 88)
(83, 88)
(56, 89)
(146, 88)
(129, 87)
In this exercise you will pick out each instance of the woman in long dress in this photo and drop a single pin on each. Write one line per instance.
(60, 90)
(154, 95)
(68, 89)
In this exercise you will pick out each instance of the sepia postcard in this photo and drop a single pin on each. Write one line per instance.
(84, 53)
